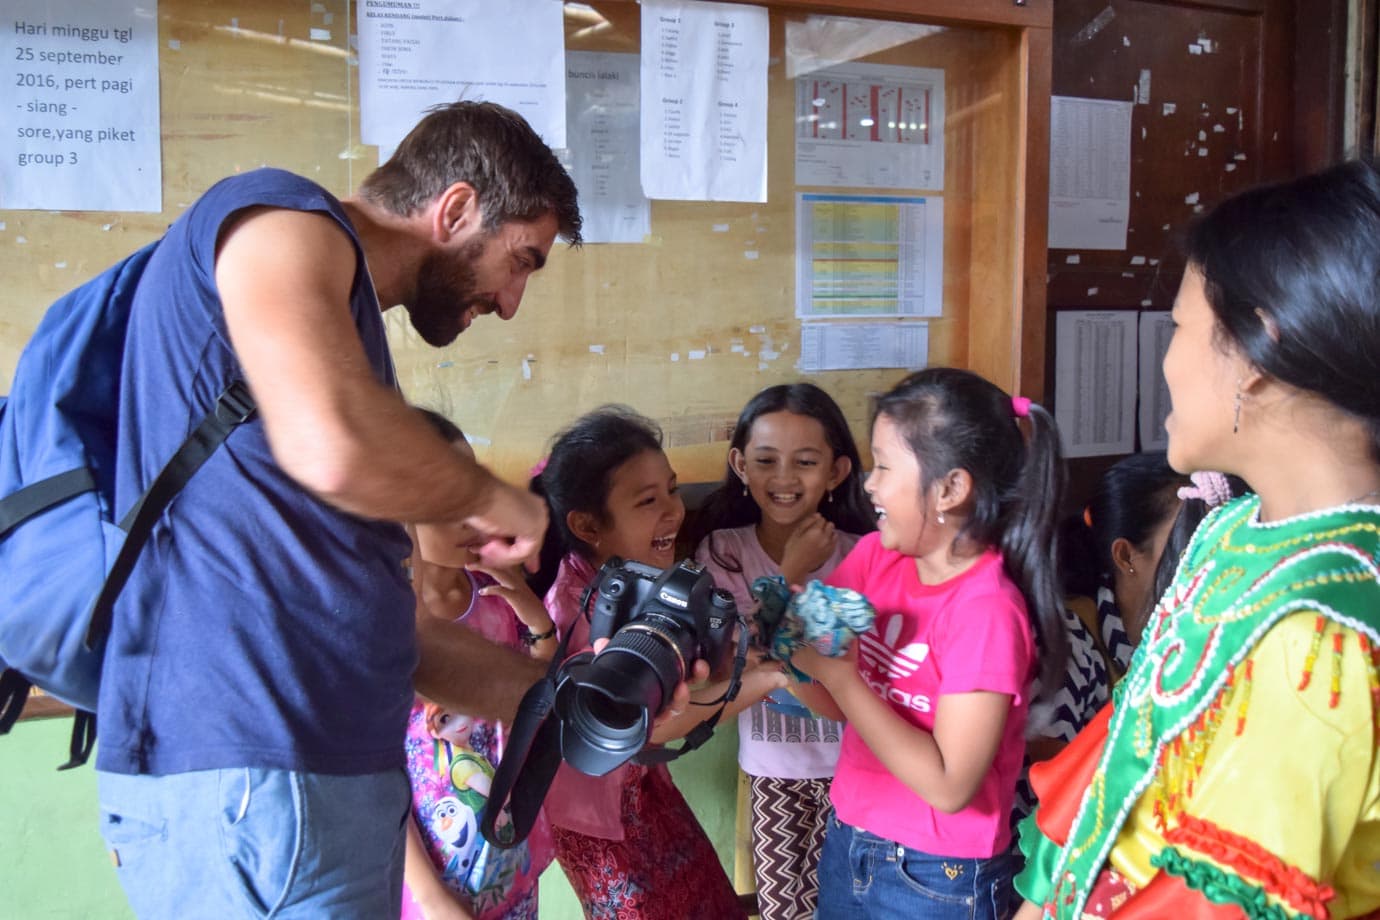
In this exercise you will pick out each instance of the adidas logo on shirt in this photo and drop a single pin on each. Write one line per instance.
(882, 659)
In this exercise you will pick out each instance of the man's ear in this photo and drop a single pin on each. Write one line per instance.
(954, 490)
(584, 526)
(456, 212)
(842, 467)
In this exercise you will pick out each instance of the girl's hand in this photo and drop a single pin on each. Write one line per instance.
(808, 547)
(762, 675)
(830, 672)
(513, 588)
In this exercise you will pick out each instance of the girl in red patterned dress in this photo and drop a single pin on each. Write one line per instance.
(627, 841)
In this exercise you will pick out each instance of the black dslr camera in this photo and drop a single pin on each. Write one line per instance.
(658, 623)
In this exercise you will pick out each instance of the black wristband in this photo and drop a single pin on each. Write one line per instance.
(533, 638)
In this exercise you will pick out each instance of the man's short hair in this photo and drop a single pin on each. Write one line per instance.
(495, 150)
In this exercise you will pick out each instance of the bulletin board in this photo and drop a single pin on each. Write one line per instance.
(1222, 97)
(684, 326)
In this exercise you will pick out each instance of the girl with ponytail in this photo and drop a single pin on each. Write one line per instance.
(935, 696)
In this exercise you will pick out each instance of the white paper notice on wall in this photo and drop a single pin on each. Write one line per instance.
(602, 130)
(422, 53)
(873, 125)
(1156, 329)
(82, 129)
(704, 101)
(1089, 173)
(1095, 381)
(839, 346)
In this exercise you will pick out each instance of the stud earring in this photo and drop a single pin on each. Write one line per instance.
(1130, 570)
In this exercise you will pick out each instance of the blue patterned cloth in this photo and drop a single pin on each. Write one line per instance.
(822, 616)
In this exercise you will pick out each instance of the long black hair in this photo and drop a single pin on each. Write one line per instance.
(955, 419)
(1190, 514)
(848, 509)
(1306, 255)
(1133, 498)
(578, 475)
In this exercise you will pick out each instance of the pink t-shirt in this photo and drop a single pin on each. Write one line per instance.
(967, 634)
(771, 742)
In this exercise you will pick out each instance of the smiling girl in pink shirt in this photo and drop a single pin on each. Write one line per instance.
(935, 694)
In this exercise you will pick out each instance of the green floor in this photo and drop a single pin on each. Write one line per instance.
(54, 867)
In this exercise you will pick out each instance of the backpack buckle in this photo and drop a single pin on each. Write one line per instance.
(235, 405)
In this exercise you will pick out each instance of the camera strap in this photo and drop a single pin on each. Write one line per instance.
(702, 732)
(533, 737)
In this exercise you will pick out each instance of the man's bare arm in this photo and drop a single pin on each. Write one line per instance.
(284, 278)
(461, 670)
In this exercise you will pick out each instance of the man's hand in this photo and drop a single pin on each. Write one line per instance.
(513, 522)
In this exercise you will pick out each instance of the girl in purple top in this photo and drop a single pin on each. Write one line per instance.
(791, 504)
(450, 871)
(935, 694)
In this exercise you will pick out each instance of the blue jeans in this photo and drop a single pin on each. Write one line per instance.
(863, 875)
(257, 843)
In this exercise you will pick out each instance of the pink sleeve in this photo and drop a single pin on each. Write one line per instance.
(853, 570)
(563, 604)
(735, 583)
(986, 646)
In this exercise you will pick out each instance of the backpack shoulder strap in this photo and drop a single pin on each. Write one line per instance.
(234, 407)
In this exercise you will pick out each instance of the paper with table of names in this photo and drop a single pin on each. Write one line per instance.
(833, 346)
(704, 101)
(869, 255)
(1156, 329)
(422, 53)
(1089, 173)
(83, 131)
(870, 125)
(602, 106)
(1095, 381)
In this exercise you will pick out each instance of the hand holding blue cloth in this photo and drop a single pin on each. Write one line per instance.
(821, 616)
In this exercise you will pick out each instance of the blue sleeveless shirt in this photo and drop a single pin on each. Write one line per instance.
(262, 627)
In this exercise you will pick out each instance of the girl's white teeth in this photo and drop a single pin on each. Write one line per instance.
(662, 543)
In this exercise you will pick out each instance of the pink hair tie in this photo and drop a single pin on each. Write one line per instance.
(538, 468)
(1209, 487)
(1020, 406)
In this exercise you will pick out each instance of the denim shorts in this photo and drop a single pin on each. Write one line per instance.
(863, 875)
(249, 842)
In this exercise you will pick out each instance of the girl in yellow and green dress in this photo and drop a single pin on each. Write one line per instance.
(1235, 772)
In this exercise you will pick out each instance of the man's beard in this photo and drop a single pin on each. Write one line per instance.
(446, 288)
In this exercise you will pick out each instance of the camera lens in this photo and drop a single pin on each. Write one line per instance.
(608, 704)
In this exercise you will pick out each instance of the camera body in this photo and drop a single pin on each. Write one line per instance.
(681, 602)
(658, 623)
